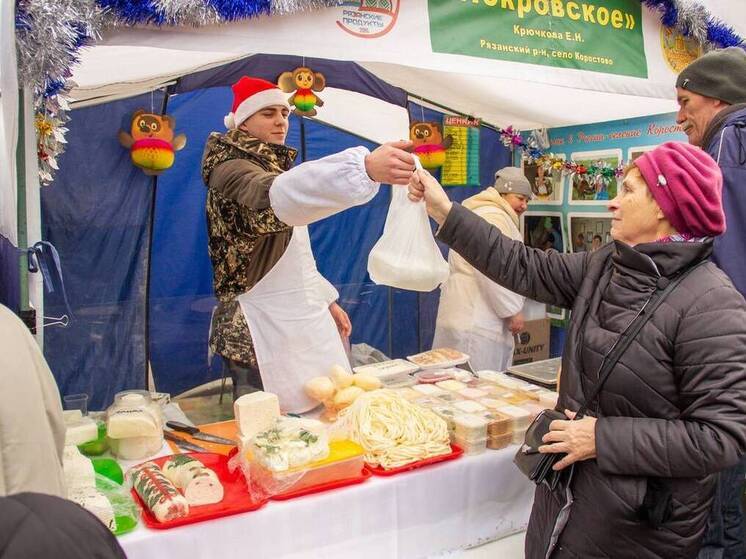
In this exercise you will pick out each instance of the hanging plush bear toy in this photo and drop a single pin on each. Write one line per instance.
(429, 144)
(303, 82)
(152, 142)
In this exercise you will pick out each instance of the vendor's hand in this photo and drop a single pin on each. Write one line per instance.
(390, 164)
(516, 324)
(422, 185)
(575, 438)
(341, 320)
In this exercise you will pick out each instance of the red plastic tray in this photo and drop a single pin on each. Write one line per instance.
(456, 452)
(364, 475)
(236, 497)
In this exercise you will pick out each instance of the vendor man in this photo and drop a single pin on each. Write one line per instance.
(277, 322)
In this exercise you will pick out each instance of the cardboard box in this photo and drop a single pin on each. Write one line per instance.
(532, 344)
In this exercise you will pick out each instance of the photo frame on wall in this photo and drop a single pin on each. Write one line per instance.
(548, 188)
(588, 231)
(585, 190)
(637, 151)
(544, 230)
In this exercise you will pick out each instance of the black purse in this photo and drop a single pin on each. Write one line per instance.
(538, 467)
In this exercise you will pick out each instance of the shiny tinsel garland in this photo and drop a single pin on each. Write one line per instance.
(49, 34)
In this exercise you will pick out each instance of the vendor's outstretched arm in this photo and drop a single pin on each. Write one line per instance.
(318, 189)
(547, 277)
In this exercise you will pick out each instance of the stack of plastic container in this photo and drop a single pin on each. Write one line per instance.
(470, 433)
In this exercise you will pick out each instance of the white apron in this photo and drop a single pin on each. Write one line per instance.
(295, 337)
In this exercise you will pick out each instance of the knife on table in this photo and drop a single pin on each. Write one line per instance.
(197, 434)
(183, 444)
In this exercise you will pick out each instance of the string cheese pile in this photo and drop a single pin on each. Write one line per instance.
(393, 431)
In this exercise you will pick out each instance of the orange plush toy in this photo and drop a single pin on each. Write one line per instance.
(152, 142)
(303, 82)
(429, 144)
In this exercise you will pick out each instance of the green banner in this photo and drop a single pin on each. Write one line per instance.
(600, 37)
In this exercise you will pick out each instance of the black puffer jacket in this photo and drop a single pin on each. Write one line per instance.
(36, 526)
(674, 407)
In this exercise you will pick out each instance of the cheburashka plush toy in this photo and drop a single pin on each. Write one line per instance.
(152, 142)
(302, 82)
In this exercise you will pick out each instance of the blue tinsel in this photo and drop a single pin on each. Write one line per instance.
(232, 10)
(722, 35)
(134, 11)
(719, 34)
(53, 87)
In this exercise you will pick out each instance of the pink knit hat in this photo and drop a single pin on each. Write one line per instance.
(687, 184)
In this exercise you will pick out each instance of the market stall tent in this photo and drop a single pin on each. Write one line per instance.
(99, 210)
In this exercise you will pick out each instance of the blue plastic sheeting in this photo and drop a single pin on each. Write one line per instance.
(342, 75)
(9, 275)
(97, 214)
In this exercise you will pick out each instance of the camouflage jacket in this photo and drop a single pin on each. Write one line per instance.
(245, 238)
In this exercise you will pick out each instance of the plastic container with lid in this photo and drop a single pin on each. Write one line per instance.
(493, 403)
(498, 424)
(387, 369)
(496, 442)
(428, 389)
(519, 436)
(407, 393)
(433, 376)
(468, 406)
(438, 358)
(470, 427)
(452, 385)
(471, 448)
(533, 408)
(548, 399)
(519, 416)
(401, 380)
(472, 393)
(134, 425)
(345, 461)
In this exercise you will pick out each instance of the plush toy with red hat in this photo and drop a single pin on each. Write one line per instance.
(251, 95)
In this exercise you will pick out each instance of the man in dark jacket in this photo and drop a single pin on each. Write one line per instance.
(35, 525)
(711, 93)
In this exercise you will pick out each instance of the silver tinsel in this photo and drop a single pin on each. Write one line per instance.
(281, 7)
(187, 12)
(693, 19)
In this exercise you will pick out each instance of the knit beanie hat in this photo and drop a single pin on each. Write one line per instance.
(687, 184)
(511, 180)
(251, 95)
(720, 74)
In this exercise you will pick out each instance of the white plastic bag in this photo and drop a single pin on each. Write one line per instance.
(406, 256)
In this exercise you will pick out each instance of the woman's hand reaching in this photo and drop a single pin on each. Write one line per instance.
(422, 185)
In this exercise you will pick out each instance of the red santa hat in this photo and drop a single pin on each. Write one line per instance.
(251, 95)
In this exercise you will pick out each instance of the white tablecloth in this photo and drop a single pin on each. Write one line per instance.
(422, 513)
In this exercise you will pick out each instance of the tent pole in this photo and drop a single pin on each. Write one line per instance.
(23, 304)
(302, 139)
(149, 264)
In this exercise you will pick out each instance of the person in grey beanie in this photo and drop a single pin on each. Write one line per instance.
(476, 315)
(711, 92)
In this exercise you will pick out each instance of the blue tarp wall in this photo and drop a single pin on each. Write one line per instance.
(98, 214)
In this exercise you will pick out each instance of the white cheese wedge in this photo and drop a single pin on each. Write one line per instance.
(125, 423)
(256, 412)
(96, 503)
(78, 469)
(82, 431)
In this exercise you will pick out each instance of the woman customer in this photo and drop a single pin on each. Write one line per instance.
(672, 411)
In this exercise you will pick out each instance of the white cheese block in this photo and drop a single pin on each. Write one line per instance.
(256, 412)
(96, 503)
(78, 469)
(82, 431)
(290, 443)
(199, 484)
(136, 448)
(125, 423)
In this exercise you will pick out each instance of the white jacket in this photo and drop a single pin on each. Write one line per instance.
(32, 431)
(474, 311)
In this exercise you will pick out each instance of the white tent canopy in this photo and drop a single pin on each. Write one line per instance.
(500, 92)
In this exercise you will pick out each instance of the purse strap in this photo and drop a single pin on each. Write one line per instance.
(663, 288)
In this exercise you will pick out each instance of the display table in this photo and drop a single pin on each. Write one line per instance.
(441, 508)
